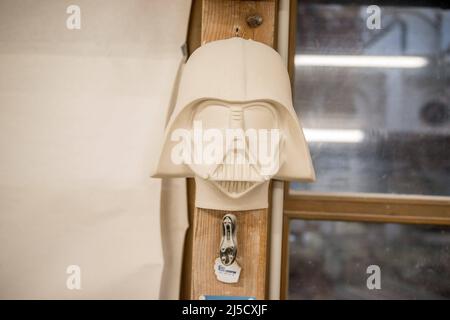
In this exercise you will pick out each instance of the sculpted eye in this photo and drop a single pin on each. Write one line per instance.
(259, 117)
(213, 116)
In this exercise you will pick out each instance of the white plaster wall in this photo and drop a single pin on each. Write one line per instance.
(82, 114)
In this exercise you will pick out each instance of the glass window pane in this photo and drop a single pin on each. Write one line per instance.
(329, 260)
(375, 103)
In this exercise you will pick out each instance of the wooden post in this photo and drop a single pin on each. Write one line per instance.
(222, 19)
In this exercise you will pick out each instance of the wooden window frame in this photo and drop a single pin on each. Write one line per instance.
(352, 207)
(358, 207)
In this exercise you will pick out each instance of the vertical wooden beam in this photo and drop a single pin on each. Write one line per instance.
(222, 19)
(195, 26)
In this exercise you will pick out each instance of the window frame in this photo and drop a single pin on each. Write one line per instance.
(357, 207)
(351, 207)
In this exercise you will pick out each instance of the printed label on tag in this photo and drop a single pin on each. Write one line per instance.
(227, 274)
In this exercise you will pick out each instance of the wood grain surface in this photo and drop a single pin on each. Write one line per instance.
(223, 19)
(252, 248)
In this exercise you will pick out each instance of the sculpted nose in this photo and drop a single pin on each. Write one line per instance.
(236, 118)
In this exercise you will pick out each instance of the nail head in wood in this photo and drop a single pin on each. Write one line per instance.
(254, 20)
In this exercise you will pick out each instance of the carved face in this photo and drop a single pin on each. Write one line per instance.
(238, 145)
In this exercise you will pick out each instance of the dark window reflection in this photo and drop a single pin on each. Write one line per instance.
(329, 260)
(384, 125)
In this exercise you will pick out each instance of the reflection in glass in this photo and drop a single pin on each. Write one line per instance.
(375, 104)
(329, 260)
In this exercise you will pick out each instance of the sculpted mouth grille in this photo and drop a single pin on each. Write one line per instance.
(236, 179)
(235, 187)
(236, 172)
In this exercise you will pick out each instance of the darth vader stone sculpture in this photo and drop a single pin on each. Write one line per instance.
(234, 127)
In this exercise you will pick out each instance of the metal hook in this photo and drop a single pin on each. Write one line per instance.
(228, 245)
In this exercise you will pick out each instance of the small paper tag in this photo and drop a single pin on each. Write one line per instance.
(227, 274)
